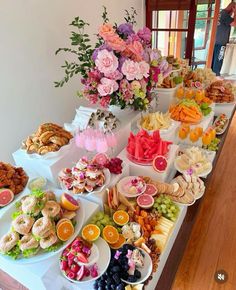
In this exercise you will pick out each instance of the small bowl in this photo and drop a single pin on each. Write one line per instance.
(146, 271)
(93, 258)
(42, 182)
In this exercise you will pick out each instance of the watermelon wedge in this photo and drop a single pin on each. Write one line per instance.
(6, 197)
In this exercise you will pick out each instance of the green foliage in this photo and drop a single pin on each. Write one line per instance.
(104, 15)
(30, 252)
(131, 16)
(83, 52)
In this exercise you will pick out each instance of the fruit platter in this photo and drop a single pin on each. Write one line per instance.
(47, 142)
(221, 124)
(135, 231)
(143, 147)
(87, 176)
(83, 261)
(186, 111)
(155, 121)
(39, 225)
(12, 182)
(193, 160)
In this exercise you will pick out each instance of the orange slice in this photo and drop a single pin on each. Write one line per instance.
(68, 202)
(65, 229)
(110, 234)
(91, 232)
(121, 217)
(119, 243)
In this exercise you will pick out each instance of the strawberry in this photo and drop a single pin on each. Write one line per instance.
(86, 271)
(80, 274)
(75, 268)
(64, 265)
(82, 258)
(71, 275)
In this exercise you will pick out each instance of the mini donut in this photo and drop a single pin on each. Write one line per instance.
(41, 227)
(23, 224)
(28, 242)
(49, 240)
(8, 241)
(51, 209)
(28, 204)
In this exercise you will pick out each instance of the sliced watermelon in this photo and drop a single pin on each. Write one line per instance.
(159, 163)
(6, 197)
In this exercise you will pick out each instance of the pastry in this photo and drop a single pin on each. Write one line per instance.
(48, 138)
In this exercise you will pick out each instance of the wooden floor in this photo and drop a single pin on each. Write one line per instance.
(212, 244)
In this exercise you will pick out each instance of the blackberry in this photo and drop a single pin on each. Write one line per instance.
(132, 279)
(137, 274)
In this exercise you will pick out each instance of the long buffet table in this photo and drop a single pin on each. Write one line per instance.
(40, 276)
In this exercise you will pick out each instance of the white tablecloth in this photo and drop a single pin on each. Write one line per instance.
(229, 63)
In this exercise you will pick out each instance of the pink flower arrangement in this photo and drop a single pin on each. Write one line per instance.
(120, 74)
(117, 70)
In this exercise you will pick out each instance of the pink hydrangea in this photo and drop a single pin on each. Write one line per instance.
(107, 87)
(130, 69)
(106, 61)
(105, 101)
(116, 75)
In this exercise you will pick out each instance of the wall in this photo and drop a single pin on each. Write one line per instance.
(31, 31)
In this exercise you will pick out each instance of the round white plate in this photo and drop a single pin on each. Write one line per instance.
(203, 174)
(98, 189)
(41, 255)
(146, 271)
(102, 263)
(123, 183)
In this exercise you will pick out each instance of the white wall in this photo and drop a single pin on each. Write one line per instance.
(30, 32)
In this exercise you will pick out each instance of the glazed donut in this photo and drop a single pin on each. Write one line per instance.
(49, 240)
(8, 242)
(51, 209)
(28, 242)
(23, 224)
(42, 227)
(28, 204)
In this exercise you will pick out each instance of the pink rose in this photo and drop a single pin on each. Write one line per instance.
(106, 61)
(107, 87)
(106, 31)
(116, 43)
(105, 101)
(136, 49)
(143, 69)
(130, 69)
(116, 75)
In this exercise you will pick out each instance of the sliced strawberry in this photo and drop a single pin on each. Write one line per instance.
(82, 258)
